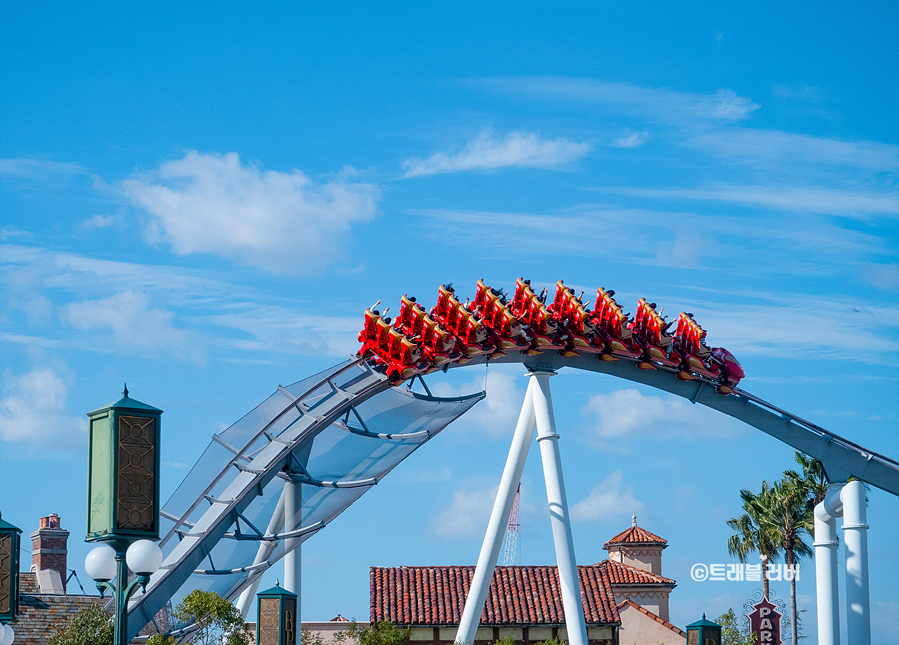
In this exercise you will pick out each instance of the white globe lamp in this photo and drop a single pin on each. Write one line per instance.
(100, 563)
(7, 635)
(144, 557)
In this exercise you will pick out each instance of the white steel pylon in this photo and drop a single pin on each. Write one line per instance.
(536, 412)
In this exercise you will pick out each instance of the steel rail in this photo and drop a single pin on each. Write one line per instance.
(196, 544)
(841, 457)
(242, 452)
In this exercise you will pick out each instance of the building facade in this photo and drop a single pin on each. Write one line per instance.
(625, 598)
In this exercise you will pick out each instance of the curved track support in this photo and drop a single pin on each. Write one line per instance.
(295, 418)
(841, 457)
(276, 445)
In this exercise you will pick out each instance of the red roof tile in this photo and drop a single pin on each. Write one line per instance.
(517, 596)
(635, 535)
(624, 574)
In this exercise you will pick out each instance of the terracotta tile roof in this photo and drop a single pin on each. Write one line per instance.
(339, 619)
(635, 535)
(517, 596)
(624, 574)
(631, 603)
(41, 615)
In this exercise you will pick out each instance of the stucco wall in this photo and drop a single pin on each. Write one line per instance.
(639, 629)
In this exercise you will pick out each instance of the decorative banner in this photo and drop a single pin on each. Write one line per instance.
(764, 622)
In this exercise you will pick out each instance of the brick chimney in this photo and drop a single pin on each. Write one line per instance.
(49, 549)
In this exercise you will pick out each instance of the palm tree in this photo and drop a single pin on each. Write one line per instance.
(790, 514)
(754, 531)
(813, 478)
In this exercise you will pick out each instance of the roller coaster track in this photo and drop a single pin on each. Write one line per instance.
(248, 474)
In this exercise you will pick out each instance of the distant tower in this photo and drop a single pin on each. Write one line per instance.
(512, 532)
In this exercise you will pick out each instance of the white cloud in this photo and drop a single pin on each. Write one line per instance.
(135, 325)
(487, 152)
(496, 415)
(33, 411)
(849, 203)
(37, 168)
(467, 515)
(98, 221)
(209, 312)
(628, 413)
(607, 502)
(283, 329)
(283, 222)
(659, 103)
(633, 140)
(790, 151)
(791, 324)
(882, 276)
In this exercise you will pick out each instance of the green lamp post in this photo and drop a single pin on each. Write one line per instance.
(123, 500)
(276, 616)
(704, 632)
(9, 579)
(123, 468)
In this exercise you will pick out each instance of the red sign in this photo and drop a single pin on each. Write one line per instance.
(764, 622)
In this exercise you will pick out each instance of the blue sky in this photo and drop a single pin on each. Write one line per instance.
(201, 200)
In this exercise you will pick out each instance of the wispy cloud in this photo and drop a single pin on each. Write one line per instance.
(608, 501)
(629, 414)
(715, 124)
(135, 325)
(489, 152)
(282, 222)
(882, 276)
(849, 203)
(212, 314)
(787, 149)
(633, 140)
(97, 222)
(467, 514)
(37, 168)
(497, 415)
(32, 412)
(280, 328)
(803, 327)
(752, 246)
(661, 104)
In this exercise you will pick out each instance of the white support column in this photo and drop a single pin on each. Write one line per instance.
(245, 600)
(826, 574)
(558, 510)
(855, 539)
(293, 559)
(499, 520)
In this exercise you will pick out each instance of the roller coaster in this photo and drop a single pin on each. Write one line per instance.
(336, 434)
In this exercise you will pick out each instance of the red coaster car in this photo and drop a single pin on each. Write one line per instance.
(470, 333)
(506, 327)
(650, 331)
(401, 356)
(731, 370)
(543, 329)
(437, 344)
(715, 363)
(688, 341)
(613, 327)
(571, 314)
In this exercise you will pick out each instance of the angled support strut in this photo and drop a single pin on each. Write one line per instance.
(536, 412)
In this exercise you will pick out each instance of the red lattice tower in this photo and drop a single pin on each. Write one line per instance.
(512, 532)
